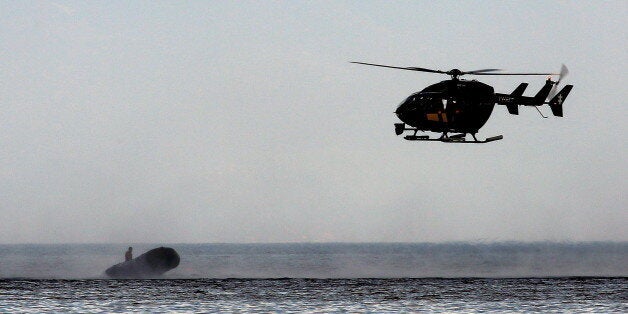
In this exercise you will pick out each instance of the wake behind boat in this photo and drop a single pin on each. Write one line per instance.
(150, 264)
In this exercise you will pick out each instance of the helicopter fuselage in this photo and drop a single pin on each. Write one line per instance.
(449, 106)
(463, 107)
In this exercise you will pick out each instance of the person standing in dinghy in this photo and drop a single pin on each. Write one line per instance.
(128, 255)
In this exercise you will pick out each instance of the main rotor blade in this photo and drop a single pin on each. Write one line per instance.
(514, 73)
(481, 71)
(454, 72)
(400, 68)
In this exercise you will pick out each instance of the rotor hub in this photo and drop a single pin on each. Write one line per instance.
(455, 73)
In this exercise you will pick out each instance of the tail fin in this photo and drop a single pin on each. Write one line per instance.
(540, 97)
(518, 92)
(556, 104)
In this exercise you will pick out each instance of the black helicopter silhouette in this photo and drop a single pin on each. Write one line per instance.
(463, 107)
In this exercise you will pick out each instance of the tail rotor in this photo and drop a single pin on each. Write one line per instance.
(563, 72)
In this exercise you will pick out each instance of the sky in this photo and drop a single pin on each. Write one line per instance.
(244, 122)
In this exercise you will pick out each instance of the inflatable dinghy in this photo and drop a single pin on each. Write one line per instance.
(150, 264)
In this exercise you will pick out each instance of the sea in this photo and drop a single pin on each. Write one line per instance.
(461, 277)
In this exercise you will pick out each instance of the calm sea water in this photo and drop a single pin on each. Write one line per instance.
(454, 277)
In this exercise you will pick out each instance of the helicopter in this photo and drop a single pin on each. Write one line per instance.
(458, 107)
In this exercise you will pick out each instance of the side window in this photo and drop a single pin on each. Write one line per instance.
(435, 103)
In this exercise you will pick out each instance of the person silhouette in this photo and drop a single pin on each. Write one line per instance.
(128, 255)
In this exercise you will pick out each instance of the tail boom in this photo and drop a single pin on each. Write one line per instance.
(515, 99)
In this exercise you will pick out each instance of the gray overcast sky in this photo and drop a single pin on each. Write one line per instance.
(235, 121)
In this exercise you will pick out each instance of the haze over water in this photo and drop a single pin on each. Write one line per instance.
(332, 260)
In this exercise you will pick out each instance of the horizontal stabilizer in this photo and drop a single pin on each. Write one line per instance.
(519, 90)
(513, 108)
(556, 104)
(513, 101)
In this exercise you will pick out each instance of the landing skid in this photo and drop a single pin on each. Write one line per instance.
(445, 137)
(459, 138)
